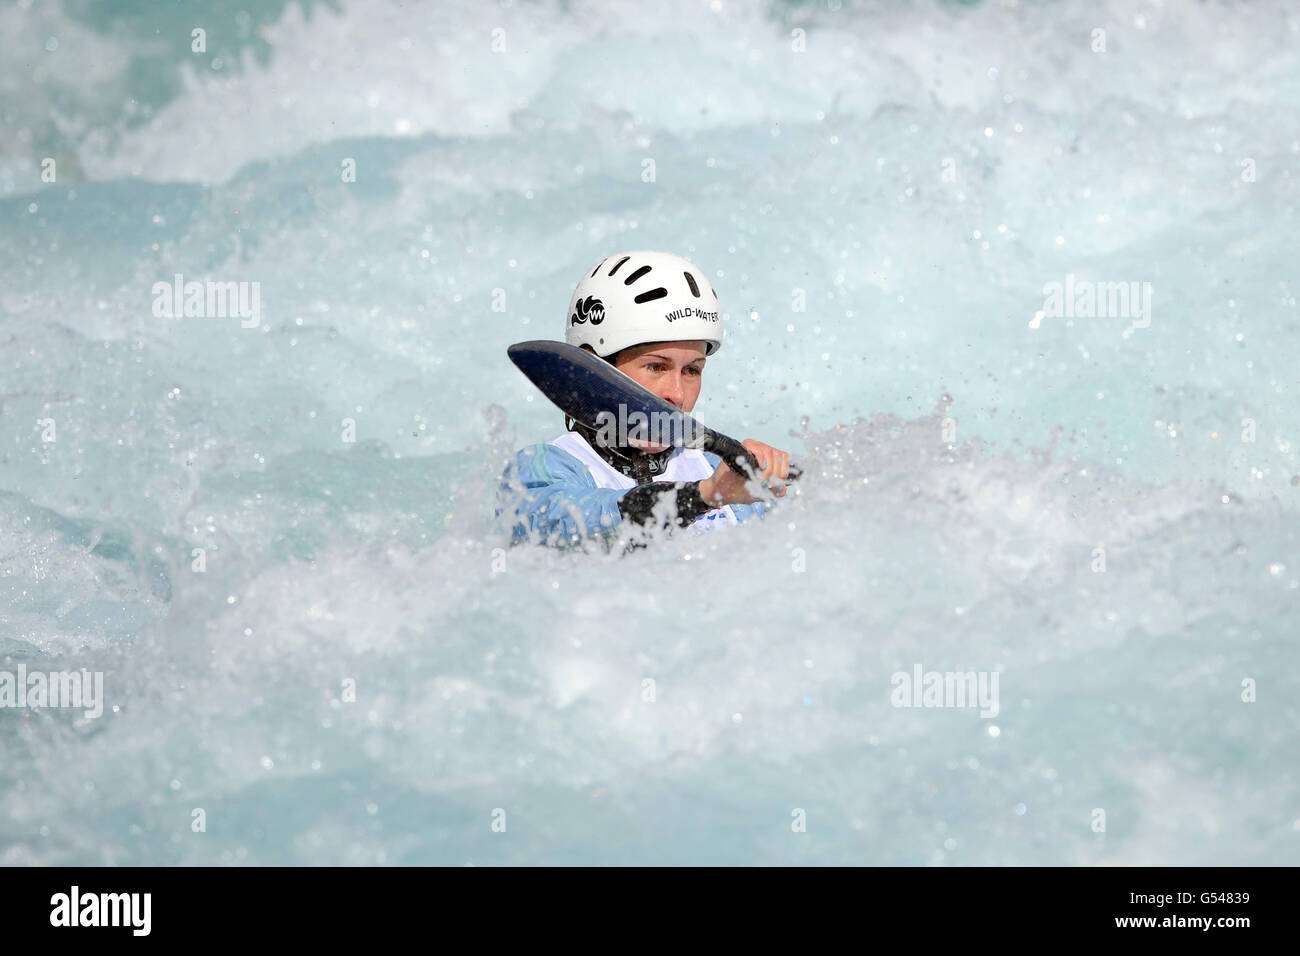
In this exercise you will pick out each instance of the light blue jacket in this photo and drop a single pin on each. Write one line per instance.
(559, 502)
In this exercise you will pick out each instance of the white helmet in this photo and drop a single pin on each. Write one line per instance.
(638, 297)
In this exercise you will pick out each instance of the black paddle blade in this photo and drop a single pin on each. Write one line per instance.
(591, 391)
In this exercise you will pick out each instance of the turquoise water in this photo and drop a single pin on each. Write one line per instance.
(917, 176)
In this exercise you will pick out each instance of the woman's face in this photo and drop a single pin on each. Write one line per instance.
(672, 370)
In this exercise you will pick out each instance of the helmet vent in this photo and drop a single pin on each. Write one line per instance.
(598, 265)
(635, 275)
(618, 266)
(650, 296)
(690, 281)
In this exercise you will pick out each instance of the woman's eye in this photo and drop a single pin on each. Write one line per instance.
(694, 370)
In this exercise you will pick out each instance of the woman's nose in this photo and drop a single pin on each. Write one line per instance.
(672, 390)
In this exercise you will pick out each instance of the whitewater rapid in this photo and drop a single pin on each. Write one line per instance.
(325, 645)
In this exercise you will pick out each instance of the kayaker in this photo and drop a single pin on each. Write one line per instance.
(655, 317)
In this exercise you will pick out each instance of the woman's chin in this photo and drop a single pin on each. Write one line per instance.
(652, 448)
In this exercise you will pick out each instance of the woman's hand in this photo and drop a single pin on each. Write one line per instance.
(726, 486)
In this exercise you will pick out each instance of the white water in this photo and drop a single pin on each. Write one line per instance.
(519, 685)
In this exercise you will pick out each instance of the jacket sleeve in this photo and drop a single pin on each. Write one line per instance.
(555, 499)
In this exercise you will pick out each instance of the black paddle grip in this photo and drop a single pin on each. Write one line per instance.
(738, 457)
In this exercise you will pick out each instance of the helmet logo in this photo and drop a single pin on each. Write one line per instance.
(688, 311)
(589, 309)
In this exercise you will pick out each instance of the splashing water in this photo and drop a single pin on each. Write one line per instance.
(323, 644)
